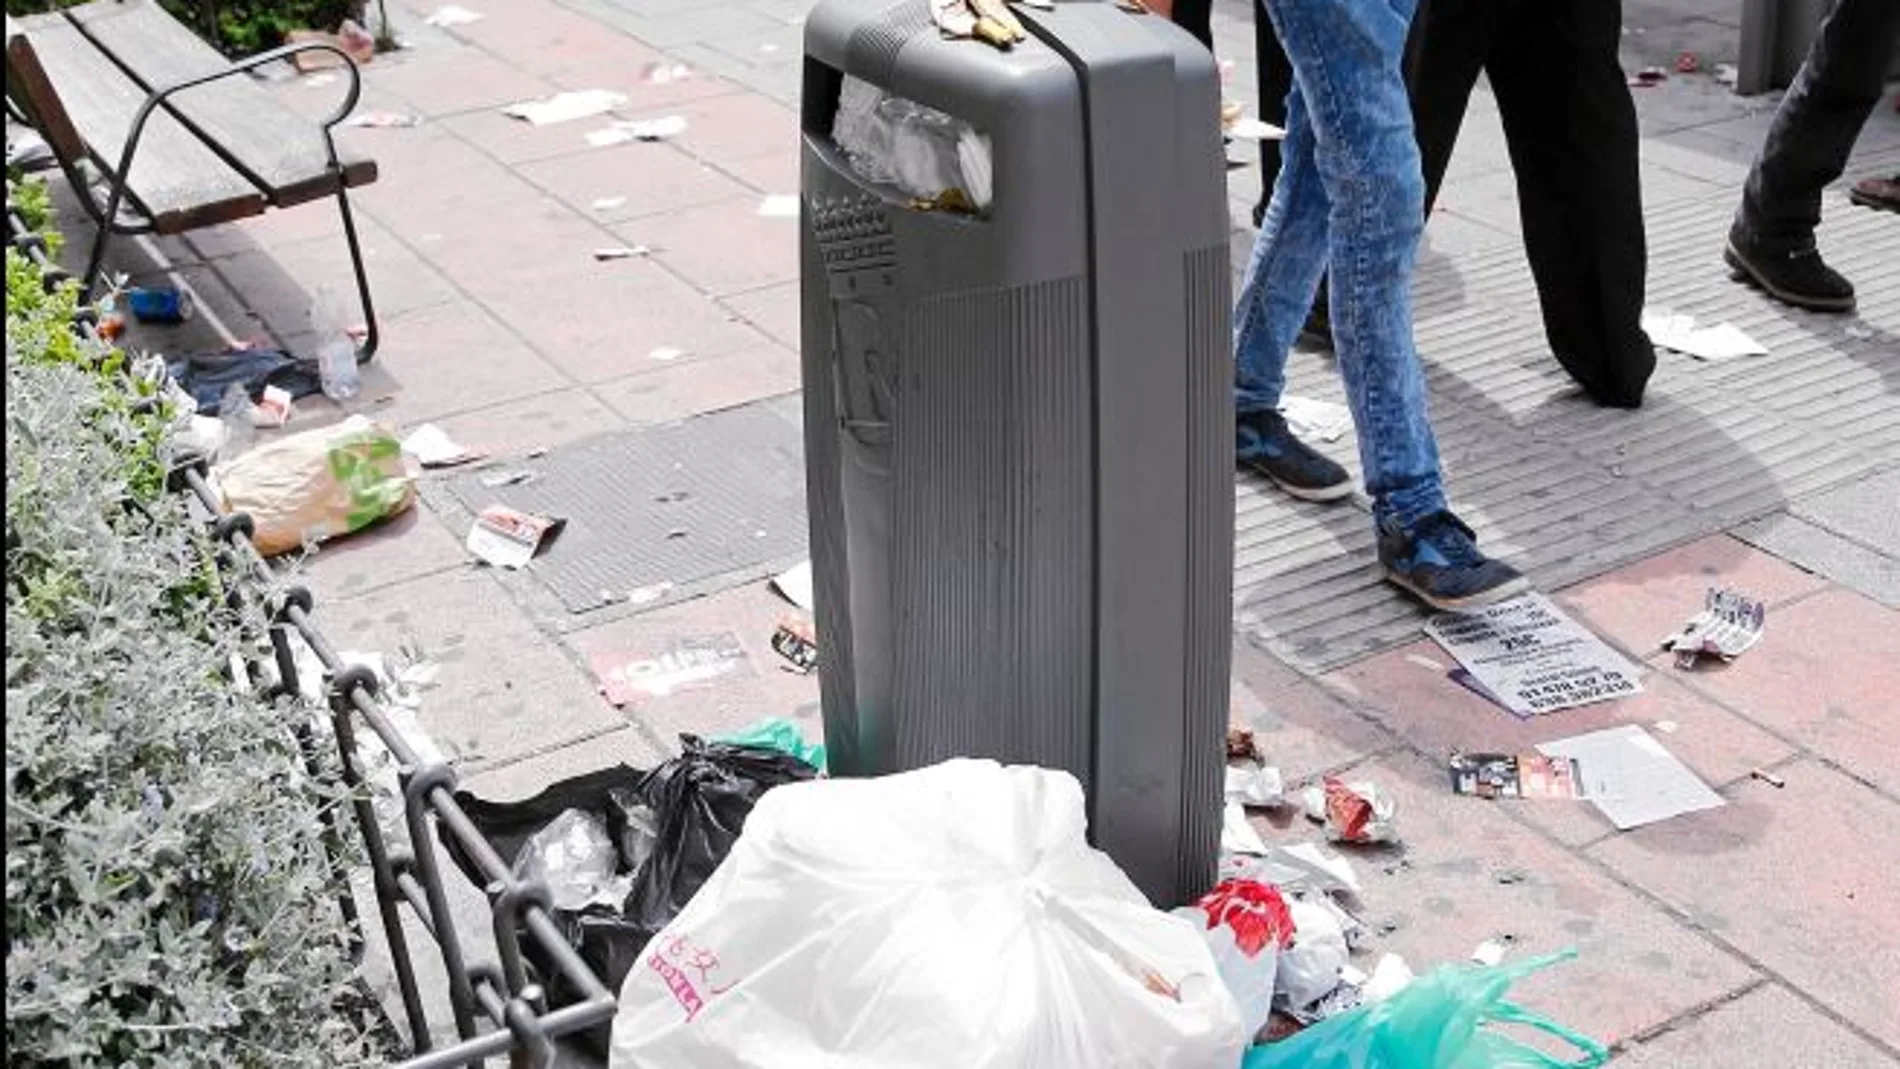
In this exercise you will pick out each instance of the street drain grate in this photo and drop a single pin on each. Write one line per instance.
(661, 508)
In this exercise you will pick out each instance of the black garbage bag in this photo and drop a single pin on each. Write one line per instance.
(672, 827)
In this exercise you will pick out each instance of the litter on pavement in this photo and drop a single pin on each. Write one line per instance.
(1353, 813)
(509, 538)
(566, 107)
(1631, 777)
(1728, 625)
(620, 252)
(779, 206)
(849, 880)
(690, 662)
(638, 130)
(1497, 775)
(1533, 659)
(1255, 785)
(1249, 129)
(452, 15)
(1310, 418)
(794, 585)
(320, 484)
(1724, 341)
(433, 448)
(608, 204)
(380, 120)
(797, 642)
(778, 733)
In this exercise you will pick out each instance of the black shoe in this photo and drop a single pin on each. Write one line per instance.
(1800, 277)
(1318, 328)
(1881, 193)
(1438, 562)
(1267, 446)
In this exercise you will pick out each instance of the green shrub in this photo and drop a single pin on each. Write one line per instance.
(244, 26)
(169, 899)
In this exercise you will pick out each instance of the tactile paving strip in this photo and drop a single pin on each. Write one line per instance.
(659, 508)
(1562, 488)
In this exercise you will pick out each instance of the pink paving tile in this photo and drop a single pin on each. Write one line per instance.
(723, 248)
(644, 90)
(651, 177)
(774, 310)
(545, 39)
(773, 172)
(1826, 673)
(1642, 603)
(455, 81)
(1406, 690)
(439, 183)
(410, 545)
(1299, 728)
(709, 384)
(1768, 1028)
(504, 688)
(1800, 879)
(448, 359)
(520, 779)
(604, 323)
(545, 245)
(543, 421)
(1468, 873)
(281, 281)
(741, 619)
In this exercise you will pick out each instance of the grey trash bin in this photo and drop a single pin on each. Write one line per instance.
(1019, 427)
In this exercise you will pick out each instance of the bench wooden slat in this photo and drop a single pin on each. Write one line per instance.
(176, 181)
(281, 148)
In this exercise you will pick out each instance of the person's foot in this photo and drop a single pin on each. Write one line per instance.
(1798, 277)
(1267, 446)
(1439, 563)
(1318, 328)
(1882, 193)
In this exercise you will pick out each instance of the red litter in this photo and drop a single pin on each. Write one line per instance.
(1687, 63)
(1649, 76)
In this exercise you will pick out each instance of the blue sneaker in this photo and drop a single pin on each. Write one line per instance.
(1266, 445)
(1438, 562)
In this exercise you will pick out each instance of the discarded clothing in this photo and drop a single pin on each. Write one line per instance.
(207, 375)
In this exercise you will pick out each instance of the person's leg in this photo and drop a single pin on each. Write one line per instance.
(1197, 18)
(1571, 127)
(1346, 60)
(1449, 43)
(1275, 76)
(1288, 256)
(1772, 239)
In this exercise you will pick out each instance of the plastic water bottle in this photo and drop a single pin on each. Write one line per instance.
(336, 351)
(239, 417)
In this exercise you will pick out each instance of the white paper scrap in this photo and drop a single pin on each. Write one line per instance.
(620, 252)
(794, 585)
(1237, 836)
(1489, 952)
(780, 206)
(565, 107)
(452, 15)
(1633, 779)
(607, 204)
(433, 448)
(1310, 418)
(1256, 786)
(1532, 657)
(1724, 341)
(1256, 130)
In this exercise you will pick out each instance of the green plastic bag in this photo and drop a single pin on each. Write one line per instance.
(778, 733)
(1439, 1021)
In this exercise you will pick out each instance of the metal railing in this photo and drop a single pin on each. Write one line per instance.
(519, 1023)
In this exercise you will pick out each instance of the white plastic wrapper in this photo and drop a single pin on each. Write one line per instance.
(573, 855)
(1310, 969)
(918, 149)
(1353, 812)
(1245, 924)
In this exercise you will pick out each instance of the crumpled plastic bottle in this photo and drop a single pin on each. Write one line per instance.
(336, 351)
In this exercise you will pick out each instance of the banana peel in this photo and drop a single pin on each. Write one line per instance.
(989, 21)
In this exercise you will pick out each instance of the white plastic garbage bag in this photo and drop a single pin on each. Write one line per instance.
(948, 918)
(1246, 925)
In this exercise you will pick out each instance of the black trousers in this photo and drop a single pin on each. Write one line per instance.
(1197, 18)
(1818, 121)
(1570, 126)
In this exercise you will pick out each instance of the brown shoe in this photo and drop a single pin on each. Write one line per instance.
(1882, 193)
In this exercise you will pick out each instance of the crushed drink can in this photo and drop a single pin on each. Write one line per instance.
(159, 304)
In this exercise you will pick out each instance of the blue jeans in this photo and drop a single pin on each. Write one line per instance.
(1349, 202)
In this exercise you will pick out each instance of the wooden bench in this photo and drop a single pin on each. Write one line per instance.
(179, 137)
